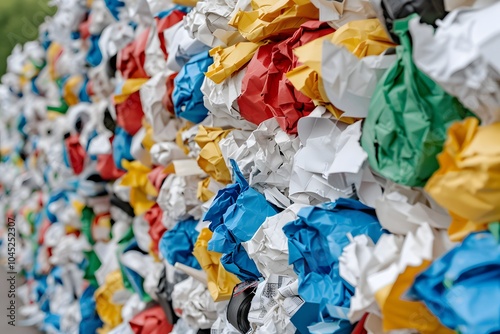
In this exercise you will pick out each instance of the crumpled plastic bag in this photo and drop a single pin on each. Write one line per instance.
(315, 242)
(403, 139)
(470, 72)
(193, 303)
(187, 96)
(461, 287)
(177, 244)
(272, 19)
(268, 247)
(266, 92)
(220, 283)
(466, 166)
(90, 320)
(234, 215)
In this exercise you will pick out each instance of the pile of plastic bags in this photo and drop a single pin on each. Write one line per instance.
(256, 166)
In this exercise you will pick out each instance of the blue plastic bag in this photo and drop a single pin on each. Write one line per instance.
(462, 288)
(315, 242)
(187, 95)
(177, 244)
(235, 215)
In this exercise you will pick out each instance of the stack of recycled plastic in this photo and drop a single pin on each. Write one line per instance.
(256, 166)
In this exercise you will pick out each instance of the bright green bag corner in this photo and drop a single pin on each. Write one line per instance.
(408, 119)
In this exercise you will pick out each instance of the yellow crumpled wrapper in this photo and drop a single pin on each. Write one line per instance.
(178, 138)
(129, 87)
(403, 314)
(362, 38)
(71, 90)
(109, 312)
(272, 18)
(220, 282)
(229, 60)
(467, 182)
(210, 158)
(142, 191)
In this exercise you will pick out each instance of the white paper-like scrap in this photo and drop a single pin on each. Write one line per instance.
(331, 163)
(276, 300)
(349, 82)
(461, 55)
(269, 245)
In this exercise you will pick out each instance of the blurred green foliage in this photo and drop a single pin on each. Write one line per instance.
(19, 21)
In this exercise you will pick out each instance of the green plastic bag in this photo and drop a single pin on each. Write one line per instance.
(408, 118)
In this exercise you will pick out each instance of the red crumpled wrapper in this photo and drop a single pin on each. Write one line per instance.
(157, 176)
(132, 57)
(265, 90)
(163, 24)
(107, 168)
(167, 102)
(151, 321)
(129, 114)
(156, 229)
(84, 29)
(76, 153)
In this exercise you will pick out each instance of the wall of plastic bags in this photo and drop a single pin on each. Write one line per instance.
(256, 166)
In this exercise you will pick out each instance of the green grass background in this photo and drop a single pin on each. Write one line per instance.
(19, 21)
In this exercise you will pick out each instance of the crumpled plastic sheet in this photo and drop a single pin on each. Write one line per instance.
(233, 205)
(268, 247)
(464, 285)
(220, 283)
(187, 96)
(315, 242)
(177, 244)
(402, 140)
(465, 165)
(266, 77)
(469, 72)
(192, 302)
